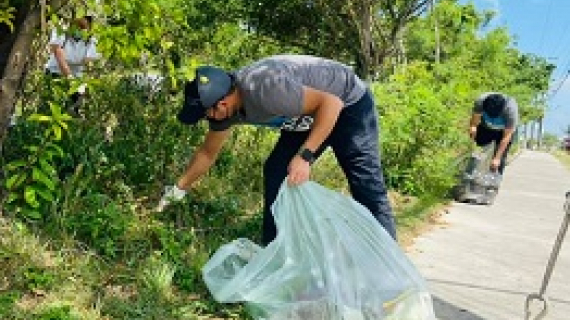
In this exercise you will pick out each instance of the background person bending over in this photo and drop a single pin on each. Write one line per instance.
(494, 119)
(315, 103)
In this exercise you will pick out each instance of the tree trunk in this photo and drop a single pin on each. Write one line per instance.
(366, 41)
(19, 52)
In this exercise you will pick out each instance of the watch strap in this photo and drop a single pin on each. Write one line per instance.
(307, 155)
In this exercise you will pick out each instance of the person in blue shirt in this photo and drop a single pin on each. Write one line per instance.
(494, 119)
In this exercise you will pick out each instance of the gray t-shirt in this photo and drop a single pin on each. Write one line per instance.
(507, 119)
(272, 90)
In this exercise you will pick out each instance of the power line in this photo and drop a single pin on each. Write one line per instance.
(560, 85)
(558, 49)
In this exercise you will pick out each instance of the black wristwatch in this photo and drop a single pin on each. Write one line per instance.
(307, 155)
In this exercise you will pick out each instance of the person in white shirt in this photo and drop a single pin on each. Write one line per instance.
(70, 51)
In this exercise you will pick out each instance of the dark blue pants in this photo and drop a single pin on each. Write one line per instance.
(484, 136)
(354, 141)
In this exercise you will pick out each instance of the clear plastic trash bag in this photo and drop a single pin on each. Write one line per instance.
(331, 260)
(478, 168)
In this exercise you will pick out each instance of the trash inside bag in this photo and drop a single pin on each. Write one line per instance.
(331, 260)
(478, 168)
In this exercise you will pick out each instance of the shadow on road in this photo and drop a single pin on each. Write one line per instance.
(447, 311)
(478, 287)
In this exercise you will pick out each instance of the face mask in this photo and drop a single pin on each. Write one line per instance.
(78, 34)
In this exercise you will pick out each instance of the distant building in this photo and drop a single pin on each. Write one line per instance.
(566, 144)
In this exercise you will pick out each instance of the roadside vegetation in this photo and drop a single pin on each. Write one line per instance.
(78, 235)
(563, 156)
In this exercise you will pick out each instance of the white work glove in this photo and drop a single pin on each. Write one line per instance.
(171, 194)
(81, 89)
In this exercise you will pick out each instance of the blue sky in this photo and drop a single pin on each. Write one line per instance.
(541, 27)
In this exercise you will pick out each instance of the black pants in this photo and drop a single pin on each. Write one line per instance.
(71, 105)
(354, 141)
(485, 136)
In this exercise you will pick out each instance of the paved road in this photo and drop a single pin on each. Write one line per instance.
(482, 261)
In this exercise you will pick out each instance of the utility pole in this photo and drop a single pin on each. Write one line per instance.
(521, 135)
(436, 32)
(540, 133)
(531, 124)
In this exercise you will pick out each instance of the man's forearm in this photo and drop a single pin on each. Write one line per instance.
(203, 158)
(198, 166)
(503, 145)
(475, 120)
(62, 63)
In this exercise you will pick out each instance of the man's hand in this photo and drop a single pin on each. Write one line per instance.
(299, 171)
(171, 194)
(472, 132)
(495, 163)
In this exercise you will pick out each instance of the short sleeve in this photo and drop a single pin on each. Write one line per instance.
(274, 90)
(56, 38)
(512, 113)
(281, 94)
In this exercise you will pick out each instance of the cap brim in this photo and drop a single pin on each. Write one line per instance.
(192, 109)
(191, 112)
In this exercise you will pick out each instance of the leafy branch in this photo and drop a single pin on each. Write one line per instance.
(32, 179)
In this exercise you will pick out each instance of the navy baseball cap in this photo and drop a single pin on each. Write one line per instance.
(494, 105)
(210, 85)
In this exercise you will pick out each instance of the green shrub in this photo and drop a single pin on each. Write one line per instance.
(57, 313)
(7, 301)
(99, 222)
(421, 134)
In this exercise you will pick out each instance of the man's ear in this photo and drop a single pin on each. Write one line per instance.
(224, 103)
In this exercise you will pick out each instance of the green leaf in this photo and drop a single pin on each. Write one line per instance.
(6, 15)
(63, 124)
(39, 176)
(46, 166)
(45, 194)
(166, 44)
(30, 213)
(22, 179)
(55, 109)
(39, 117)
(12, 181)
(32, 149)
(57, 132)
(30, 197)
(16, 164)
(12, 196)
(54, 149)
